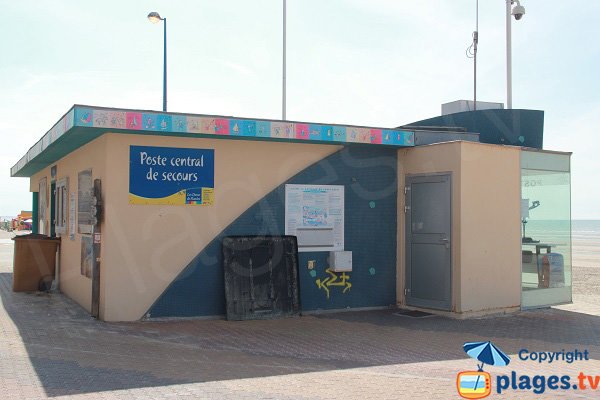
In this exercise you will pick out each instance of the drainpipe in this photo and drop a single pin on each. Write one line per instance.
(56, 281)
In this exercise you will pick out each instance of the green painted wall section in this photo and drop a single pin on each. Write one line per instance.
(34, 213)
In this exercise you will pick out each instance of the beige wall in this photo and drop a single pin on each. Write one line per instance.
(485, 245)
(146, 246)
(92, 155)
(490, 227)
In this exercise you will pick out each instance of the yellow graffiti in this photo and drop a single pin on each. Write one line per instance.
(334, 280)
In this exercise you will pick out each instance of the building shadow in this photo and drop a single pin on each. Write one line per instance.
(552, 326)
(72, 353)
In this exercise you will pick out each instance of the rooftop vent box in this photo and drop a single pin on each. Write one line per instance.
(468, 105)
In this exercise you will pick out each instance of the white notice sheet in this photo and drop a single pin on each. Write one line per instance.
(315, 214)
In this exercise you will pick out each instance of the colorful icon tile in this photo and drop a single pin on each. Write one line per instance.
(283, 130)
(179, 123)
(242, 127)
(339, 134)
(221, 126)
(302, 131)
(375, 136)
(116, 119)
(263, 129)
(315, 132)
(149, 122)
(194, 125)
(164, 122)
(84, 117)
(133, 120)
(326, 133)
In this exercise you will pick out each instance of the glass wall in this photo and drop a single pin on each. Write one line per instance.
(545, 228)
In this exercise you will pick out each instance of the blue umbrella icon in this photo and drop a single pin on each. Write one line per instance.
(487, 353)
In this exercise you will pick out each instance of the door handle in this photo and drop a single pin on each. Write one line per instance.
(445, 240)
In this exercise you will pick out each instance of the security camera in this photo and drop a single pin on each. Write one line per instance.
(518, 11)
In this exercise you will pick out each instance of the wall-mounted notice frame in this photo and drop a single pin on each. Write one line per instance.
(315, 215)
(85, 192)
(72, 216)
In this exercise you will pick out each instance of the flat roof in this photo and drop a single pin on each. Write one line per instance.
(82, 124)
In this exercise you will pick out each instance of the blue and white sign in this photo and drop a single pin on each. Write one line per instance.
(168, 175)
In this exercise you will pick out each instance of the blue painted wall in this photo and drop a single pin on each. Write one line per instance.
(369, 175)
(513, 127)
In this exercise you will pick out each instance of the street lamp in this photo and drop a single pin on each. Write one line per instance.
(518, 11)
(155, 18)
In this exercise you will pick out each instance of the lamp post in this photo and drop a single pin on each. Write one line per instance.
(518, 11)
(155, 17)
(283, 116)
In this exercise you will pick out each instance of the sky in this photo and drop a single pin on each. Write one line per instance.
(378, 63)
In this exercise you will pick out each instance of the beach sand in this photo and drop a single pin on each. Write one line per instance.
(5, 235)
(6, 257)
(586, 273)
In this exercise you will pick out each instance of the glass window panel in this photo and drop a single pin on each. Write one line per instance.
(546, 230)
(427, 216)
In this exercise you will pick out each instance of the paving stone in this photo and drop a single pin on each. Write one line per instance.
(50, 347)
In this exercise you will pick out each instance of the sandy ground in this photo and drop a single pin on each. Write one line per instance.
(6, 257)
(586, 272)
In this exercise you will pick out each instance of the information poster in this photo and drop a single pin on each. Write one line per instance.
(167, 175)
(315, 215)
(85, 192)
(72, 216)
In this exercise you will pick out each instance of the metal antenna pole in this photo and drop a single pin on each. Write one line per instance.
(472, 53)
(508, 57)
(165, 68)
(284, 56)
(475, 42)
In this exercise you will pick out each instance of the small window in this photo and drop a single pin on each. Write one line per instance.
(62, 206)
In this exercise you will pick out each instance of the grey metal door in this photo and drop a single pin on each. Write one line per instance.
(428, 226)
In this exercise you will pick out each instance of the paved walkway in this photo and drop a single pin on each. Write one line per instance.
(50, 347)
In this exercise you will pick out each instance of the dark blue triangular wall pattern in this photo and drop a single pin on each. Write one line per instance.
(369, 174)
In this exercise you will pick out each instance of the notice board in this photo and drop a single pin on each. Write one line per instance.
(315, 215)
(85, 192)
